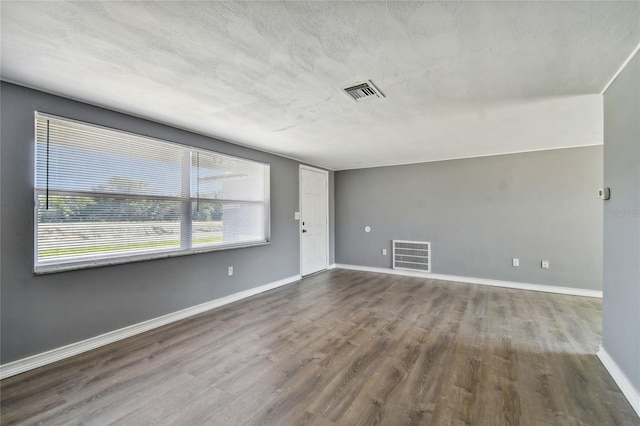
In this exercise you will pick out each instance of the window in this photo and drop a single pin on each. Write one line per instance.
(104, 196)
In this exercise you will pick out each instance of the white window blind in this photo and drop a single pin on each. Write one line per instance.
(104, 196)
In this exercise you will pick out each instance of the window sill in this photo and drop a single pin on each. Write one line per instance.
(74, 266)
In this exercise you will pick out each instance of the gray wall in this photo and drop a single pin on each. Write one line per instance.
(45, 312)
(621, 305)
(480, 213)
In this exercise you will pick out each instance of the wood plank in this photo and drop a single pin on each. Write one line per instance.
(343, 348)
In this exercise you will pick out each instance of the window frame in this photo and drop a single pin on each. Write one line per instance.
(185, 201)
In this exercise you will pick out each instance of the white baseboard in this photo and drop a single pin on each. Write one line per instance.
(44, 358)
(629, 391)
(332, 266)
(481, 281)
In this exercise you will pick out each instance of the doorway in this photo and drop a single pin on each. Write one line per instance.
(314, 220)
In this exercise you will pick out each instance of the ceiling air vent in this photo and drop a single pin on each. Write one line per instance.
(362, 91)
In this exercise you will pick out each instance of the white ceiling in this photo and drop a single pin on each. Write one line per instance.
(460, 79)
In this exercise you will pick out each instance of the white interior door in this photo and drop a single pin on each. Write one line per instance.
(314, 198)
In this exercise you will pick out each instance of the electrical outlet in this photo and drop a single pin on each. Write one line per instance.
(515, 261)
(545, 264)
(230, 272)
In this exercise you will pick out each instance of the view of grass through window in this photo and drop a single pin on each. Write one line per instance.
(104, 194)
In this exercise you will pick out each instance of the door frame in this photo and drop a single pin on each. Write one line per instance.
(326, 193)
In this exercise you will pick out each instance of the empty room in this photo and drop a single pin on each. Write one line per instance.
(320, 213)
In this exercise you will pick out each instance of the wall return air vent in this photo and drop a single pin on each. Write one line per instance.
(412, 255)
(363, 91)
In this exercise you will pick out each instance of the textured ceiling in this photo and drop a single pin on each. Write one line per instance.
(461, 79)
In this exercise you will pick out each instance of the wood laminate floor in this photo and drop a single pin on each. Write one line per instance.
(345, 348)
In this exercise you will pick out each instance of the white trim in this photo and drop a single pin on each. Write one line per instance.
(628, 390)
(44, 358)
(622, 67)
(526, 151)
(480, 281)
(266, 151)
(144, 257)
(326, 173)
(332, 266)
